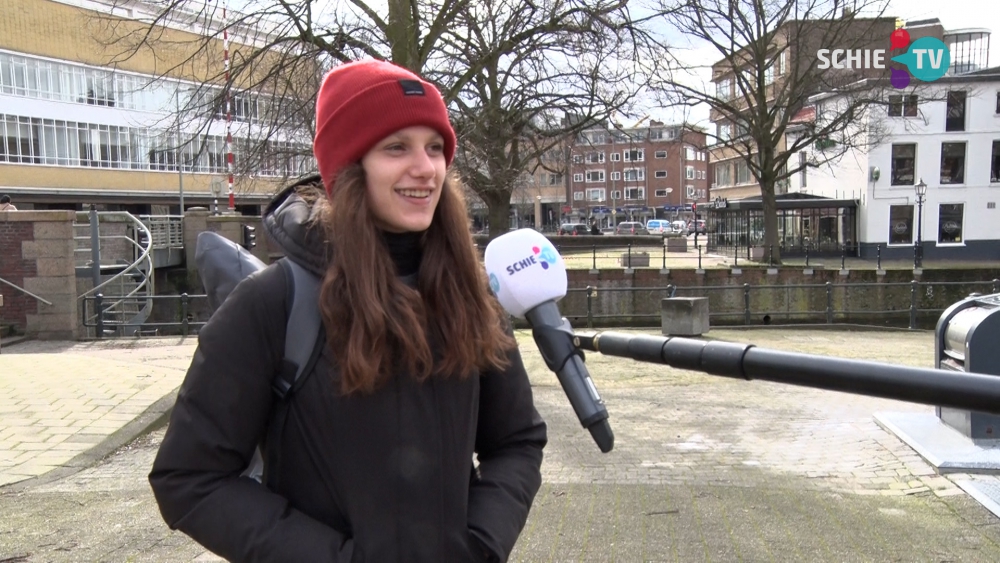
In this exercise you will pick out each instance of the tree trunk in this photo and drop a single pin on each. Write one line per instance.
(772, 248)
(499, 212)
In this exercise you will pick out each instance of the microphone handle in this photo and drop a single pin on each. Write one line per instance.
(554, 337)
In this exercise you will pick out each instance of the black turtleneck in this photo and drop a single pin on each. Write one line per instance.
(405, 250)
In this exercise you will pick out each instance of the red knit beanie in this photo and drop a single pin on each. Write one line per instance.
(363, 102)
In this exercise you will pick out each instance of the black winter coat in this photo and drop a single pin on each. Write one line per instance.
(380, 478)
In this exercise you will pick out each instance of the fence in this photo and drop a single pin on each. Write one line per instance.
(754, 305)
(180, 322)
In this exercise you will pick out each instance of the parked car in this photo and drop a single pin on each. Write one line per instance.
(658, 227)
(680, 228)
(700, 226)
(574, 229)
(630, 228)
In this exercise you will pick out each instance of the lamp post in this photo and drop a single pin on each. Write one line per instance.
(918, 248)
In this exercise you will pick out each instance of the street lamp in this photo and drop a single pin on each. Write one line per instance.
(918, 248)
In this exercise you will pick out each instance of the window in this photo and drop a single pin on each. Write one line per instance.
(769, 75)
(689, 172)
(635, 193)
(952, 163)
(615, 157)
(691, 192)
(660, 174)
(742, 172)
(722, 175)
(577, 177)
(555, 179)
(804, 172)
(903, 106)
(595, 175)
(595, 194)
(997, 111)
(660, 193)
(781, 62)
(634, 174)
(616, 194)
(655, 134)
(904, 159)
(723, 89)
(950, 222)
(995, 163)
(689, 153)
(616, 176)
(577, 159)
(660, 154)
(955, 120)
(636, 155)
(577, 196)
(595, 157)
(900, 224)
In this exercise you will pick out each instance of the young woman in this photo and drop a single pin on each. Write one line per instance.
(419, 374)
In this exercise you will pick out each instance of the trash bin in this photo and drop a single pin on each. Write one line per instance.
(967, 339)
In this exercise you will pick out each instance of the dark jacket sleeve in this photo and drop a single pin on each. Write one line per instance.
(509, 442)
(221, 411)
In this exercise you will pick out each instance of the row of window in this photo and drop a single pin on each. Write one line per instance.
(608, 137)
(634, 155)
(904, 163)
(597, 194)
(951, 220)
(955, 108)
(726, 172)
(37, 78)
(51, 142)
(726, 88)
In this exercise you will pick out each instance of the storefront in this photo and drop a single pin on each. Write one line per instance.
(806, 223)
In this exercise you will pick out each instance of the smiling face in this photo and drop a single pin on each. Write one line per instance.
(405, 175)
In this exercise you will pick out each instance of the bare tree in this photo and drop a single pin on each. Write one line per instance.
(769, 82)
(510, 70)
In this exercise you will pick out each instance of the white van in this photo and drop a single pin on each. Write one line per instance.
(658, 227)
(680, 227)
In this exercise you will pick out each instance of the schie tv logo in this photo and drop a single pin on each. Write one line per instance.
(545, 255)
(927, 58)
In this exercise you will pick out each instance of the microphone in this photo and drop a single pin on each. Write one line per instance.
(528, 276)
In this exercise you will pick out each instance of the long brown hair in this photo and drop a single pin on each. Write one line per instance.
(377, 325)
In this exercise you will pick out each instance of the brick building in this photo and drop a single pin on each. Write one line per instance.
(636, 174)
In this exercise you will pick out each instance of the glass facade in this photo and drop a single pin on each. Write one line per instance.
(819, 227)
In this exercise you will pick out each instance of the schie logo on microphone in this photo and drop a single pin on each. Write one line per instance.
(494, 283)
(545, 255)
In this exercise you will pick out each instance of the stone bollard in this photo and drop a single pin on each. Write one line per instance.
(684, 316)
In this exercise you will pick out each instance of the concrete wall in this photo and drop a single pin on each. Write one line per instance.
(36, 253)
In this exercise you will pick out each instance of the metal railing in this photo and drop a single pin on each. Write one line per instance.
(166, 231)
(25, 291)
(839, 307)
(181, 322)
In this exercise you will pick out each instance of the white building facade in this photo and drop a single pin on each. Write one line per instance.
(946, 134)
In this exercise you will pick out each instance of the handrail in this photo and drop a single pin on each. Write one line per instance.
(21, 289)
(133, 266)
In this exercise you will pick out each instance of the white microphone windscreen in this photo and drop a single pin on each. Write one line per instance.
(525, 271)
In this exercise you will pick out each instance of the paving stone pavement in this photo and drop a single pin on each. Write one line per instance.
(703, 468)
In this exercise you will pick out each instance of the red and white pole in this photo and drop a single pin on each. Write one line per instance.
(229, 107)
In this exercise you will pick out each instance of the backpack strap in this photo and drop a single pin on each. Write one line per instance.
(304, 343)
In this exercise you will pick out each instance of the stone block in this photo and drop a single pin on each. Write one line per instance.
(677, 244)
(62, 230)
(684, 316)
(635, 260)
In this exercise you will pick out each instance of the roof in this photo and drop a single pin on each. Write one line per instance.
(804, 115)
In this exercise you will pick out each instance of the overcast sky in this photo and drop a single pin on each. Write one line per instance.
(954, 14)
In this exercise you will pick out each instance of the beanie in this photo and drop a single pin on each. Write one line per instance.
(360, 103)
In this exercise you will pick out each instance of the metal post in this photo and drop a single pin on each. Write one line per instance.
(630, 255)
(829, 303)
(843, 256)
(699, 257)
(664, 266)
(590, 307)
(95, 246)
(878, 256)
(770, 255)
(746, 303)
(736, 258)
(593, 257)
(807, 256)
(913, 304)
(184, 314)
(99, 309)
(918, 250)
